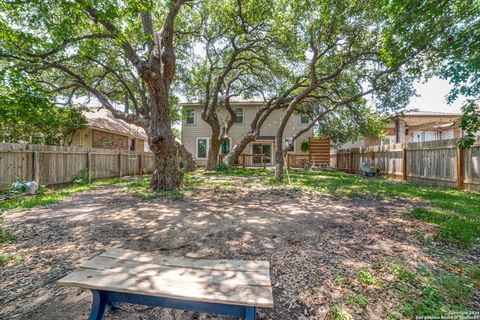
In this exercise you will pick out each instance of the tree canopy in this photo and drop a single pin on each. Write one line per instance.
(118, 52)
(27, 114)
(320, 57)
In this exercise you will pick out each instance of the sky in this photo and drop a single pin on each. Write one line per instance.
(432, 97)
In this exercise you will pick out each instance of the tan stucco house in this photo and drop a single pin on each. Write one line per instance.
(106, 132)
(196, 133)
(414, 126)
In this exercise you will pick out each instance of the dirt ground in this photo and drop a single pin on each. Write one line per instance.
(309, 239)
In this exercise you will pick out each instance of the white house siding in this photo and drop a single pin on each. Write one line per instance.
(200, 129)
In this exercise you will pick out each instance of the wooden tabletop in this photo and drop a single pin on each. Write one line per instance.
(245, 283)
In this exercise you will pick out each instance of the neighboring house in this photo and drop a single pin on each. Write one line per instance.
(415, 126)
(196, 133)
(106, 132)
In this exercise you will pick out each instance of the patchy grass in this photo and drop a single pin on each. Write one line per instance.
(454, 228)
(455, 212)
(455, 288)
(141, 190)
(340, 279)
(474, 274)
(45, 197)
(356, 300)
(365, 277)
(11, 259)
(54, 196)
(338, 313)
(192, 181)
(247, 172)
(5, 236)
(423, 292)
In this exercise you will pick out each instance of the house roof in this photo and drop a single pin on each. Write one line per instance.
(420, 113)
(102, 119)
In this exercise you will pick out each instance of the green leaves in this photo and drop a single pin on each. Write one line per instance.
(28, 115)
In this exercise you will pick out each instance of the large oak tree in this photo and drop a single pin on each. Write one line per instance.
(115, 51)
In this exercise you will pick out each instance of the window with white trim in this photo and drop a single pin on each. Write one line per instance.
(190, 116)
(239, 114)
(202, 148)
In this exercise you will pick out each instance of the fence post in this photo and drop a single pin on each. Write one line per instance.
(404, 165)
(337, 162)
(373, 157)
(36, 166)
(140, 169)
(351, 161)
(89, 166)
(460, 168)
(120, 169)
(128, 163)
(243, 161)
(264, 162)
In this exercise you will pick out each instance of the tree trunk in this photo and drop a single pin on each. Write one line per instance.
(238, 148)
(213, 152)
(279, 160)
(186, 158)
(167, 174)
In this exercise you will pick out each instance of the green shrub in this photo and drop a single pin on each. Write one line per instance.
(304, 146)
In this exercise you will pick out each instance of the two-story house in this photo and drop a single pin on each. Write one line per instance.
(196, 132)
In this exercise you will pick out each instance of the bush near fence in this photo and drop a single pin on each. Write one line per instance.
(50, 165)
(433, 162)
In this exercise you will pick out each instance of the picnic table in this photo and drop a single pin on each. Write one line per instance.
(229, 287)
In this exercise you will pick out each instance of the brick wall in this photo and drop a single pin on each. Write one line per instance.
(138, 145)
(107, 140)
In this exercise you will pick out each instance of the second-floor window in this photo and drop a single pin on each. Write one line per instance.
(239, 114)
(304, 119)
(190, 116)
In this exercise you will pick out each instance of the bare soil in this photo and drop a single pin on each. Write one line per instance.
(309, 239)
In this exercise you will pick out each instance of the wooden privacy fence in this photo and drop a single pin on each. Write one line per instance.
(434, 162)
(49, 165)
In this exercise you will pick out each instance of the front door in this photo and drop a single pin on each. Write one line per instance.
(262, 148)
